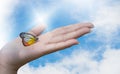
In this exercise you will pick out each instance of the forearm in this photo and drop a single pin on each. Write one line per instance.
(7, 71)
(5, 68)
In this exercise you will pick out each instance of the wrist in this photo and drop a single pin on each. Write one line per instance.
(6, 68)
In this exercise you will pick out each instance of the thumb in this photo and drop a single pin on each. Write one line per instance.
(37, 30)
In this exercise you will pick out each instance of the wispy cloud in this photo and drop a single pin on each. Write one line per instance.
(80, 62)
(107, 22)
(6, 9)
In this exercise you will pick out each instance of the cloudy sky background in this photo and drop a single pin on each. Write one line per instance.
(97, 53)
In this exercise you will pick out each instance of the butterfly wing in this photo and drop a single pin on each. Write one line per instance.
(28, 39)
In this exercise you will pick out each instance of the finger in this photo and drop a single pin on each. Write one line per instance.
(71, 35)
(61, 45)
(40, 50)
(37, 30)
(71, 28)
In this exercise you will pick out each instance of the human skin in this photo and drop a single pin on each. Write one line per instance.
(14, 54)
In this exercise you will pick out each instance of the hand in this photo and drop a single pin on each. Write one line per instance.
(14, 54)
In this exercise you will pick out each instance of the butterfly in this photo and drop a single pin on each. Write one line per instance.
(28, 39)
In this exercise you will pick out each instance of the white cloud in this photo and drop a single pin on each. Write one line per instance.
(110, 64)
(6, 8)
(80, 62)
(107, 22)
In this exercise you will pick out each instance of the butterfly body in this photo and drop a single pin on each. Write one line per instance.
(28, 39)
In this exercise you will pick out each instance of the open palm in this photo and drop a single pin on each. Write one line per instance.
(16, 54)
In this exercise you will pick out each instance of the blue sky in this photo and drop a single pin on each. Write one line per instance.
(88, 57)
